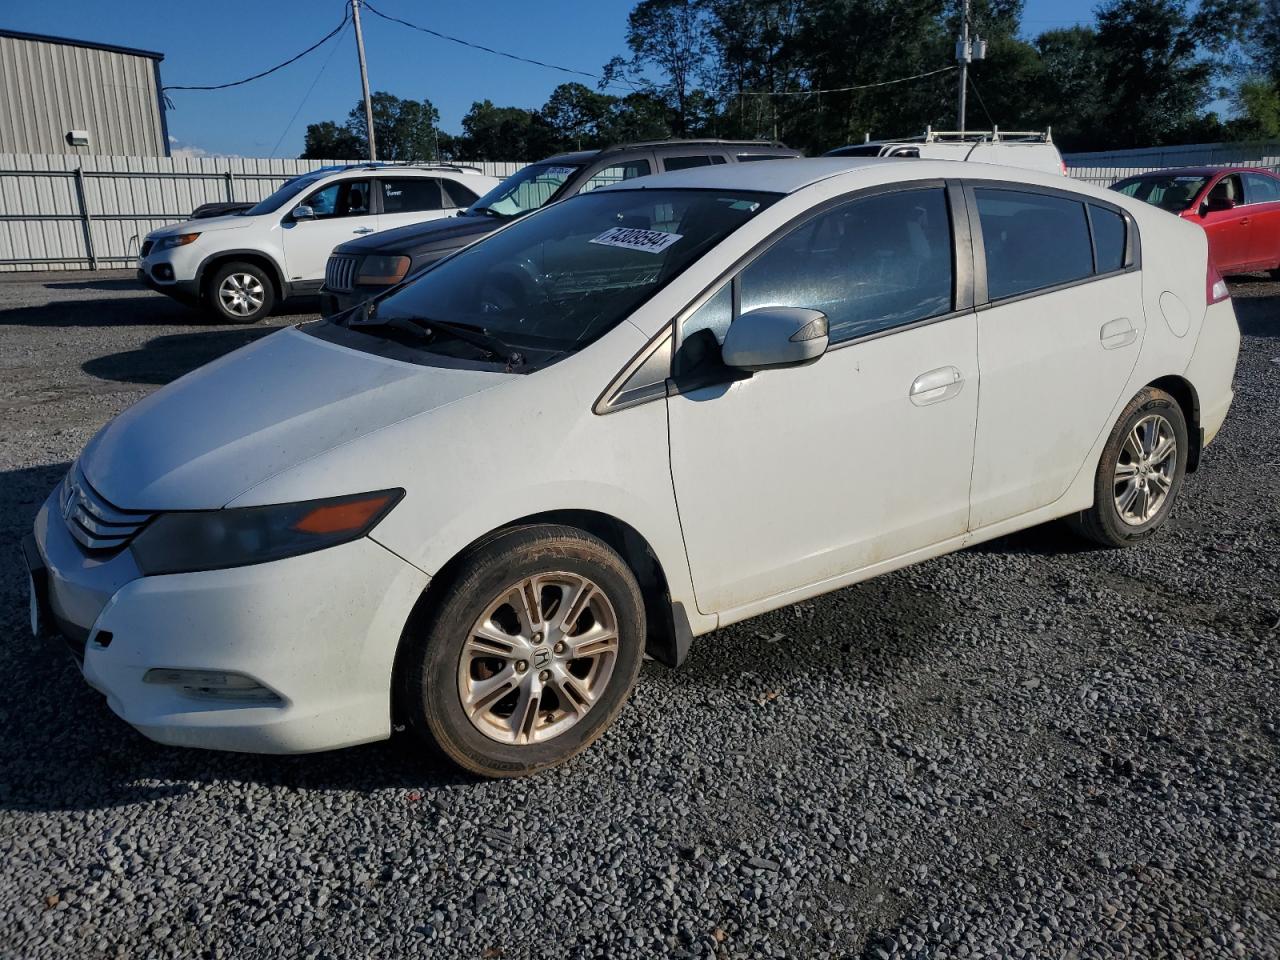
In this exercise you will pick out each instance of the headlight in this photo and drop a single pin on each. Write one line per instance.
(382, 271)
(216, 539)
(181, 240)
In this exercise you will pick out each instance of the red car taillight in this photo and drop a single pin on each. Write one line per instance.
(1215, 287)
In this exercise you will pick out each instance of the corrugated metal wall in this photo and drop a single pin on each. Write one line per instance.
(48, 89)
(1249, 153)
(44, 201)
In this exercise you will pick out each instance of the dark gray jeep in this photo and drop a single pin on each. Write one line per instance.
(360, 269)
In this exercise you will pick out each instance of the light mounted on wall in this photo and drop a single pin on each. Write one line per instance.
(78, 138)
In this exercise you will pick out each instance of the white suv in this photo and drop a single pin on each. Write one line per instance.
(239, 266)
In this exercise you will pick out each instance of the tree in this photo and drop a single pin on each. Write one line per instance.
(506, 133)
(328, 141)
(579, 116)
(405, 129)
(672, 39)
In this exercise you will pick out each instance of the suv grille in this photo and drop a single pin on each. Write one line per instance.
(95, 523)
(146, 247)
(340, 273)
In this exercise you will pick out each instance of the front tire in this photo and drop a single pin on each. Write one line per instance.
(529, 655)
(1140, 472)
(240, 293)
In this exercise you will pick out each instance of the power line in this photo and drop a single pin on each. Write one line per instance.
(307, 96)
(258, 76)
(477, 46)
(864, 86)
(982, 103)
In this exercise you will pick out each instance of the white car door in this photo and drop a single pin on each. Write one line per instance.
(408, 200)
(341, 211)
(1056, 343)
(797, 477)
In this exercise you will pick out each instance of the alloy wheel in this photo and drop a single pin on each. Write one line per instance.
(241, 294)
(538, 658)
(1145, 470)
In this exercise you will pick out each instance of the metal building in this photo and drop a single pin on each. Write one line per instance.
(76, 97)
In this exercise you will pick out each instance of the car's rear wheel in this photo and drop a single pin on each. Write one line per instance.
(530, 653)
(240, 293)
(1140, 472)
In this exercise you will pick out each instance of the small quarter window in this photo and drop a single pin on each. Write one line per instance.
(1032, 241)
(1109, 231)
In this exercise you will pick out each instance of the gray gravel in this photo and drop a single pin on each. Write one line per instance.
(1030, 749)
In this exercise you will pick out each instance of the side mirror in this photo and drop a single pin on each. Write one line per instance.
(303, 212)
(1216, 205)
(775, 337)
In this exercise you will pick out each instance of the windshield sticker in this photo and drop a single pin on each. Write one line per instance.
(555, 171)
(634, 238)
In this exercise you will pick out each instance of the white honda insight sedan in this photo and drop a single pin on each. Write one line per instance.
(615, 425)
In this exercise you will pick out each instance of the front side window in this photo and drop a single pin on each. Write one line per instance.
(1261, 189)
(285, 192)
(616, 174)
(1228, 188)
(533, 187)
(1172, 192)
(869, 265)
(567, 275)
(410, 195)
(1032, 241)
(346, 198)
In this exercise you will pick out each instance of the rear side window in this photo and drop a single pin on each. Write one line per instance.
(1109, 230)
(1260, 189)
(456, 195)
(411, 195)
(1032, 241)
(869, 265)
(684, 163)
(616, 174)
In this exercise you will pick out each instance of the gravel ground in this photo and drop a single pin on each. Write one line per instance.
(1029, 749)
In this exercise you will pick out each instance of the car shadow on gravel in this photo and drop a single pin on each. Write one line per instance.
(105, 283)
(163, 359)
(1047, 539)
(147, 309)
(1257, 308)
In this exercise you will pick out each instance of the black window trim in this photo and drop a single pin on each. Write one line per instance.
(982, 300)
(964, 284)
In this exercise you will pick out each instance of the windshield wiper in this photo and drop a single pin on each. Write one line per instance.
(426, 328)
(487, 211)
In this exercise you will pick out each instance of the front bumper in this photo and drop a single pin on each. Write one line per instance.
(332, 302)
(320, 630)
(186, 291)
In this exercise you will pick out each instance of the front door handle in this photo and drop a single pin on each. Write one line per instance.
(363, 230)
(1244, 220)
(940, 384)
(1117, 333)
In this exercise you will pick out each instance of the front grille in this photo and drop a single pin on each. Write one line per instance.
(340, 273)
(146, 247)
(94, 522)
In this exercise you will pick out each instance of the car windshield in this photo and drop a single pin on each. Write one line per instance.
(533, 187)
(1172, 192)
(565, 276)
(287, 191)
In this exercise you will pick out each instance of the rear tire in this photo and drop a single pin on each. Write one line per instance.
(240, 293)
(1139, 474)
(530, 653)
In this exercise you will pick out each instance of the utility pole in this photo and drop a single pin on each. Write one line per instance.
(966, 51)
(364, 80)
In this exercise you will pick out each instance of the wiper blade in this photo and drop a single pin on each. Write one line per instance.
(426, 327)
(487, 211)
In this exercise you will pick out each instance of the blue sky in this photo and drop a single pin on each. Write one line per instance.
(207, 43)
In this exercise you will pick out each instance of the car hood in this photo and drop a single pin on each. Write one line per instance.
(206, 225)
(206, 438)
(418, 238)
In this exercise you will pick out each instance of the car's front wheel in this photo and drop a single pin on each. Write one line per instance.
(1140, 472)
(529, 654)
(240, 293)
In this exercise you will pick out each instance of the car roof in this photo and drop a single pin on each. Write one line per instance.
(769, 147)
(1198, 172)
(795, 175)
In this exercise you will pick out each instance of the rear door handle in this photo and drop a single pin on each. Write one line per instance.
(363, 230)
(1244, 220)
(940, 384)
(1117, 333)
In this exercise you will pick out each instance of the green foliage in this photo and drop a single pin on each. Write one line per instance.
(328, 141)
(404, 130)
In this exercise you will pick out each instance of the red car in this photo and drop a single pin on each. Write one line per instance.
(1239, 208)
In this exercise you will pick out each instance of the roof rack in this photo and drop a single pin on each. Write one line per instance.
(696, 142)
(410, 164)
(994, 135)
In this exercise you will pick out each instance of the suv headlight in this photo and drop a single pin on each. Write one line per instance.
(382, 271)
(181, 240)
(217, 539)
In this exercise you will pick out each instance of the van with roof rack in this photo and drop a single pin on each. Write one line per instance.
(238, 263)
(1030, 149)
(362, 268)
